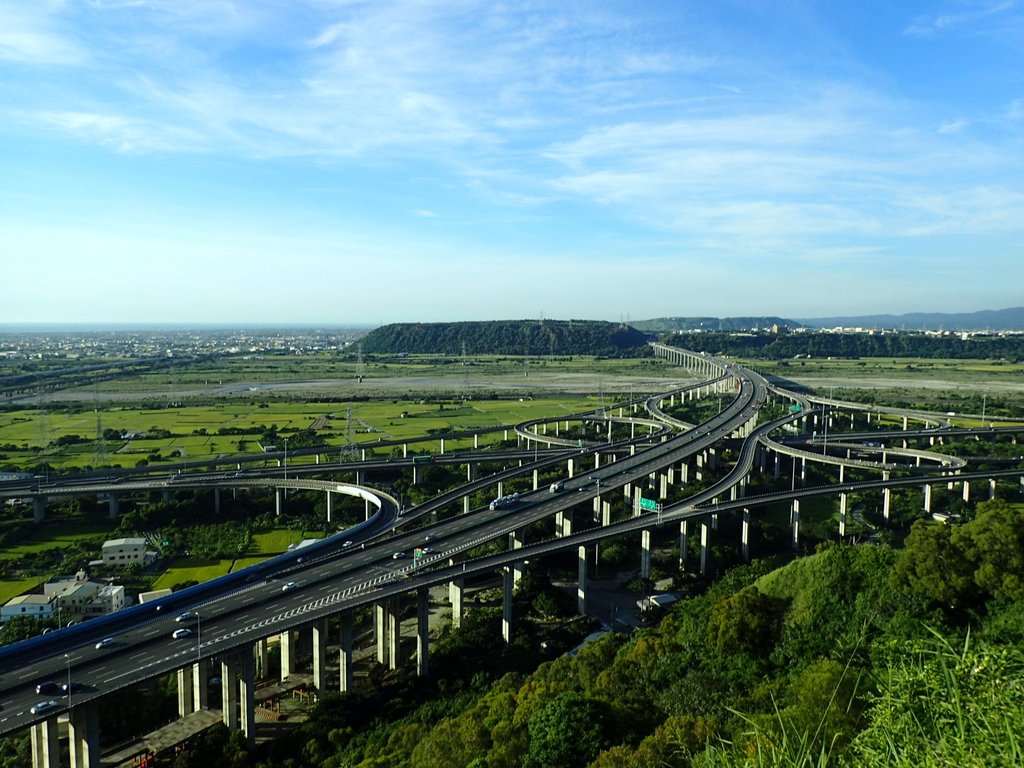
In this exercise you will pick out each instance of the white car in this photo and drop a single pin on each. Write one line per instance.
(398, 555)
(180, 633)
(289, 586)
(104, 643)
(185, 617)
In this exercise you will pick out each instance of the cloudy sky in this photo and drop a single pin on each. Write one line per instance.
(338, 161)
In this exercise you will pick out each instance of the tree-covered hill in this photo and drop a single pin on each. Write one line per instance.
(508, 337)
(849, 345)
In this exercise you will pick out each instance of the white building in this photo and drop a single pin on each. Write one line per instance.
(36, 606)
(124, 551)
(90, 598)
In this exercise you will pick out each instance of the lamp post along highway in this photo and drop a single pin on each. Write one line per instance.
(199, 637)
(67, 659)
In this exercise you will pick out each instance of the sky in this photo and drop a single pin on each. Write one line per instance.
(337, 161)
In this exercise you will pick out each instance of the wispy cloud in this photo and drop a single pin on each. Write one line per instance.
(31, 33)
(964, 14)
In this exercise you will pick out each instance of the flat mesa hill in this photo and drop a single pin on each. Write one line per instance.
(508, 337)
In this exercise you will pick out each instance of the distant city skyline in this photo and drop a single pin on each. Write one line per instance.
(183, 163)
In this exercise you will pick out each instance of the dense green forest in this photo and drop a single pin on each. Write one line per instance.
(508, 337)
(857, 655)
(767, 346)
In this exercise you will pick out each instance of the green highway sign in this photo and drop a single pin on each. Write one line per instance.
(650, 504)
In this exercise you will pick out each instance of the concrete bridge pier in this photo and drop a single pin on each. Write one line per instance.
(422, 632)
(581, 582)
(559, 523)
(277, 502)
(186, 692)
(967, 491)
(330, 506)
(570, 468)
(684, 543)
(229, 692)
(886, 501)
(794, 519)
(84, 736)
(842, 515)
(38, 509)
(536, 479)
(516, 541)
(216, 501)
(247, 697)
(288, 653)
(705, 546)
(394, 631)
(645, 553)
(745, 535)
(201, 681)
(662, 486)
(45, 744)
(114, 507)
(320, 655)
(262, 660)
(606, 514)
(455, 588)
(345, 677)
(506, 604)
(927, 498)
(991, 488)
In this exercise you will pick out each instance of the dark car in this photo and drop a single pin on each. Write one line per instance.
(48, 688)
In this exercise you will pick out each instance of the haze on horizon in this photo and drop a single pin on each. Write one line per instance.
(324, 162)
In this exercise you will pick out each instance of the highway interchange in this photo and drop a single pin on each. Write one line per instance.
(359, 567)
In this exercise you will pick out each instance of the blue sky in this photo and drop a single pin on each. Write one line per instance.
(336, 161)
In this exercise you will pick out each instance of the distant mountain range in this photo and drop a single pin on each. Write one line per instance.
(986, 320)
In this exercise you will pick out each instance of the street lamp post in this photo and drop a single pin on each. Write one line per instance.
(199, 637)
(286, 458)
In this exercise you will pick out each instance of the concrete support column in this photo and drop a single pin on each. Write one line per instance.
(506, 605)
(84, 736)
(967, 491)
(455, 598)
(422, 632)
(394, 631)
(684, 543)
(346, 678)
(277, 502)
(842, 515)
(216, 501)
(287, 655)
(662, 487)
(442, 446)
(991, 488)
(570, 468)
(745, 535)
(320, 655)
(645, 553)
(803, 471)
(114, 507)
(928, 499)
(559, 523)
(186, 696)
(581, 581)
(201, 684)
(380, 632)
(38, 509)
(415, 475)
(705, 546)
(795, 523)
(841, 473)
(229, 692)
(886, 500)
(536, 479)
(45, 744)
(247, 698)
(515, 541)
(330, 499)
(260, 652)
